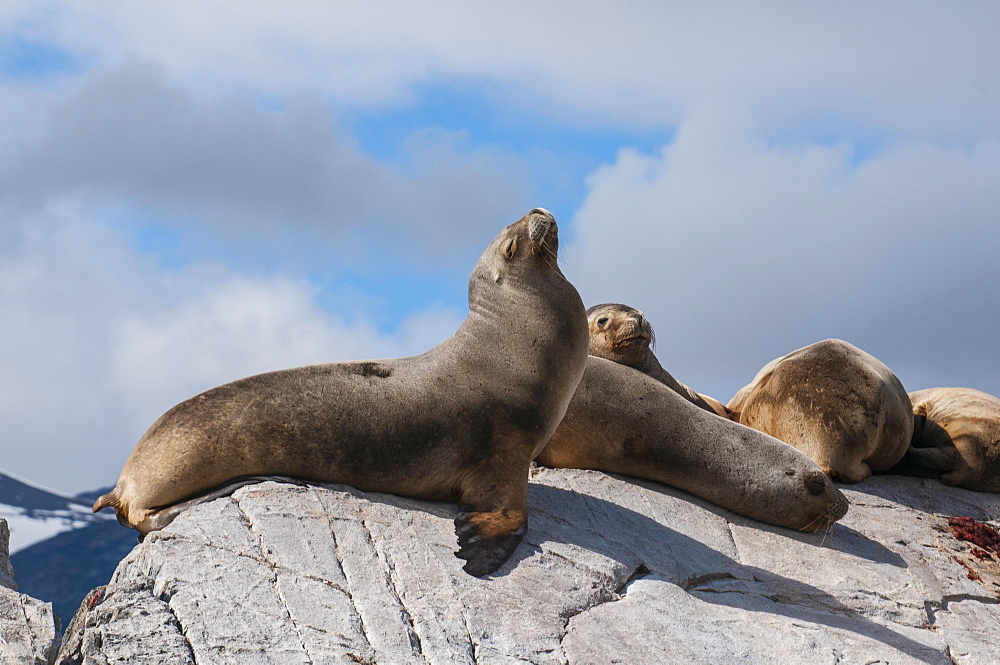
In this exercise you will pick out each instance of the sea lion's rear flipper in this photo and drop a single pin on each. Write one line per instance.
(933, 460)
(487, 539)
(112, 500)
(158, 518)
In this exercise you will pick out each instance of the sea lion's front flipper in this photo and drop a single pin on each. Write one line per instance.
(487, 539)
(934, 460)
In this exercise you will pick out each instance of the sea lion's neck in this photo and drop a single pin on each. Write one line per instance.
(652, 367)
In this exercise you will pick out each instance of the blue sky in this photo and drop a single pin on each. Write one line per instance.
(192, 192)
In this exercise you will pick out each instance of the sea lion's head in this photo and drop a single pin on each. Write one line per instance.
(817, 489)
(519, 296)
(788, 488)
(521, 253)
(619, 333)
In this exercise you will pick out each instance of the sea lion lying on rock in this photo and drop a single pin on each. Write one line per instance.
(622, 334)
(834, 402)
(463, 420)
(623, 421)
(956, 437)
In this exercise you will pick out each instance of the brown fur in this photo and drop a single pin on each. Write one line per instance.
(461, 421)
(834, 402)
(956, 437)
(624, 335)
(623, 421)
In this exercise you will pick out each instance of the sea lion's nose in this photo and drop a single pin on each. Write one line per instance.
(540, 225)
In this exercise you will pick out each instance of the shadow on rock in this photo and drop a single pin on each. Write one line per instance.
(926, 496)
(622, 534)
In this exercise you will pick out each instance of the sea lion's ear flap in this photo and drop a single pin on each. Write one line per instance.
(510, 248)
(486, 540)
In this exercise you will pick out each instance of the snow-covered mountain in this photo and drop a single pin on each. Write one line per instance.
(35, 513)
(60, 550)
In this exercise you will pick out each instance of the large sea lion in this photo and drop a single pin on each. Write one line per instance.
(834, 402)
(956, 437)
(623, 421)
(463, 420)
(623, 334)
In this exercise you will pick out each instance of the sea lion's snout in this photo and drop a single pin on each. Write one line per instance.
(634, 330)
(541, 227)
(834, 511)
(819, 484)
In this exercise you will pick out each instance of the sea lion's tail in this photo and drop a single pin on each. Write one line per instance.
(107, 500)
(113, 500)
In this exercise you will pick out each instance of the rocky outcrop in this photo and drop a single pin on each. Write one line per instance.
(6, 571)
(613, 570)
(27, 626)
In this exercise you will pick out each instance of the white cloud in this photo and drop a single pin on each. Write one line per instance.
(740, 251)
(132, 141)
(927, 67)
(98, 341)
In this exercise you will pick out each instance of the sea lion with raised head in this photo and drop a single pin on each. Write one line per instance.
(956, 437)
(624, 335)
(839, 405)
(623, 421)
(460, 421)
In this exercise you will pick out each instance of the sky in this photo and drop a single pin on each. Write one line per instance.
(196, 191)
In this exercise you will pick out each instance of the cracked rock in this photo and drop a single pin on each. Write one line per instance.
(612, 570)
(27, 626)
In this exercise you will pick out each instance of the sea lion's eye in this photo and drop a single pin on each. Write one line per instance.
(601, 322)
(510, 249)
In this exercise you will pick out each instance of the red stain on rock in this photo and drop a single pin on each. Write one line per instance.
(95, 596)
(981, 535)
(971, 574)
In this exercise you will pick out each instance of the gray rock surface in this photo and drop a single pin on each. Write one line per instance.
(27, 626)
(6, 570)
(613, 570)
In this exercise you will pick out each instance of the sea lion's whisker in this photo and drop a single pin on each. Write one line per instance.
(827, 530)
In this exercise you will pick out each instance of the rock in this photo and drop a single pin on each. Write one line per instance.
(71, 647)
(6, 570)
(64, 568)
(612, 570)
(27, 626)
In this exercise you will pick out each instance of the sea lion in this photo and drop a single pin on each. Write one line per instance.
(624, 335)
(462, 420)
(834, 402)
(956, 437)
(623, 421)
